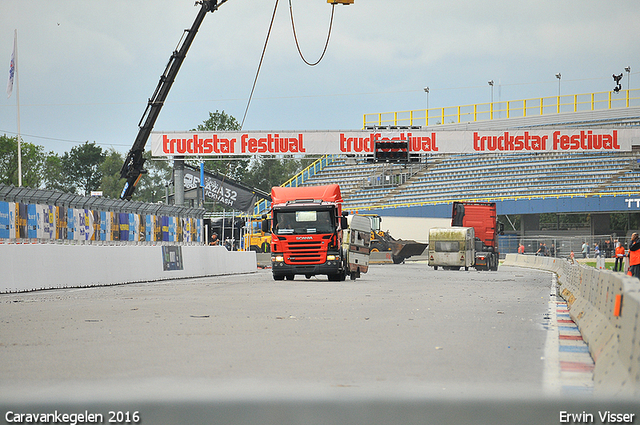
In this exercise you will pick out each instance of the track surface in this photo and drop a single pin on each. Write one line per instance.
(400, 325)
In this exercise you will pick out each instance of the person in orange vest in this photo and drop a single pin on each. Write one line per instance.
(618, 265)
(634, 256)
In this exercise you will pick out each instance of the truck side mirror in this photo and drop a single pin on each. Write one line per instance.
(343, 222)
(265, 224)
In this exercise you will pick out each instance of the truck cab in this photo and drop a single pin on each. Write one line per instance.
(307, 232)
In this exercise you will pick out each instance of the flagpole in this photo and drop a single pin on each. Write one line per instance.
(17, 74)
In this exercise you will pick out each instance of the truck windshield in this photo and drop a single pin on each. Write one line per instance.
(303, 222)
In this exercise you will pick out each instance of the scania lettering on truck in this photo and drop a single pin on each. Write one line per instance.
(307, 227)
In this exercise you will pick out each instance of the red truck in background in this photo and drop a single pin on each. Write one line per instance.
(307, 229)
(484, 220)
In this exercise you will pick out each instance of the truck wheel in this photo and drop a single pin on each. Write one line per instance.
(278, 277)
(435, 267)
(397, 260)
(494, 266)
(290, 276)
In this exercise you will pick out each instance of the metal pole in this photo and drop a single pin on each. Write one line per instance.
(178, 180)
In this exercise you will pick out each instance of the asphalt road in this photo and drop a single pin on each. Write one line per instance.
(399, 326)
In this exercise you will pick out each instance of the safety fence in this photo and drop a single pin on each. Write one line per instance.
(506, 109)
(561, 246)
(606, 307)
(44, 216)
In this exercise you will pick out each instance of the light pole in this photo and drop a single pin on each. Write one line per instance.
(491, 106)
(628, 69)
(559, 77)
(426, 90)
(491, 85)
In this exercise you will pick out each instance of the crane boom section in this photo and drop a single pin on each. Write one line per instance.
(132, 168)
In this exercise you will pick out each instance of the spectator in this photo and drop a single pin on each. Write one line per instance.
(608, 248)
(618, 266)
(585, 250)
(521, 249)
(634, 256)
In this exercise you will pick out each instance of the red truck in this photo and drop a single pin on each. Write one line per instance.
(307, 227)
(484, 220)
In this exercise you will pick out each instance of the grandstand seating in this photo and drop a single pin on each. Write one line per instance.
(489, 176)
(492, 176)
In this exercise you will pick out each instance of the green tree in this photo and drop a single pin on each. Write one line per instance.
(82, 167)
(111, 184)
(54, 176)
(219, 121)
(151, 187)
(32, 158)
(230, 166)
(268, 171)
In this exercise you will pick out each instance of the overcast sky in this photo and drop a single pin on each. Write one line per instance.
(87, 68)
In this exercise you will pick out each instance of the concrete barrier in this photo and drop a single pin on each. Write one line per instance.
(606, 307)
(29, 267)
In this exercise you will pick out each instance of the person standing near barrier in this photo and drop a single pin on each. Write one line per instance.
(634, 256)
(521, 249)
(618, 265)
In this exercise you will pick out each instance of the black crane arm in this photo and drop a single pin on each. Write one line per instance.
(133, 167)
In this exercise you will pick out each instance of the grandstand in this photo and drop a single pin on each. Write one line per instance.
(447, 178)
(499, 177)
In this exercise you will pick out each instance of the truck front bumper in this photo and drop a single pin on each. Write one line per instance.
(330, 267)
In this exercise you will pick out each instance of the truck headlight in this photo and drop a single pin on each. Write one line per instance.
(333, 257)
(278, 258)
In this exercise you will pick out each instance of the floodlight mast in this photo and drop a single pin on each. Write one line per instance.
(133, 167)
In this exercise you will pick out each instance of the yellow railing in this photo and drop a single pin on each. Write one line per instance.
(506, 109)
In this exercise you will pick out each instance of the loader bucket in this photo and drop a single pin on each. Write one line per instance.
(402, 250)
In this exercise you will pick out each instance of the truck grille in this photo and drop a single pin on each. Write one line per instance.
(305, 252)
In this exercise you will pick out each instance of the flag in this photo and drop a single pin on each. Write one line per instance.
(12, 67)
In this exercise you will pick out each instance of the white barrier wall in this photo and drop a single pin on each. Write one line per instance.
(606, 307)
(28, 267)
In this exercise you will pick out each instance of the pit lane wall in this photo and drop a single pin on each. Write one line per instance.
(29, 267)
(606, 307)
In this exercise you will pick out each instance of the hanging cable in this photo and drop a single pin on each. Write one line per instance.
(255, 80)
(295, 37)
